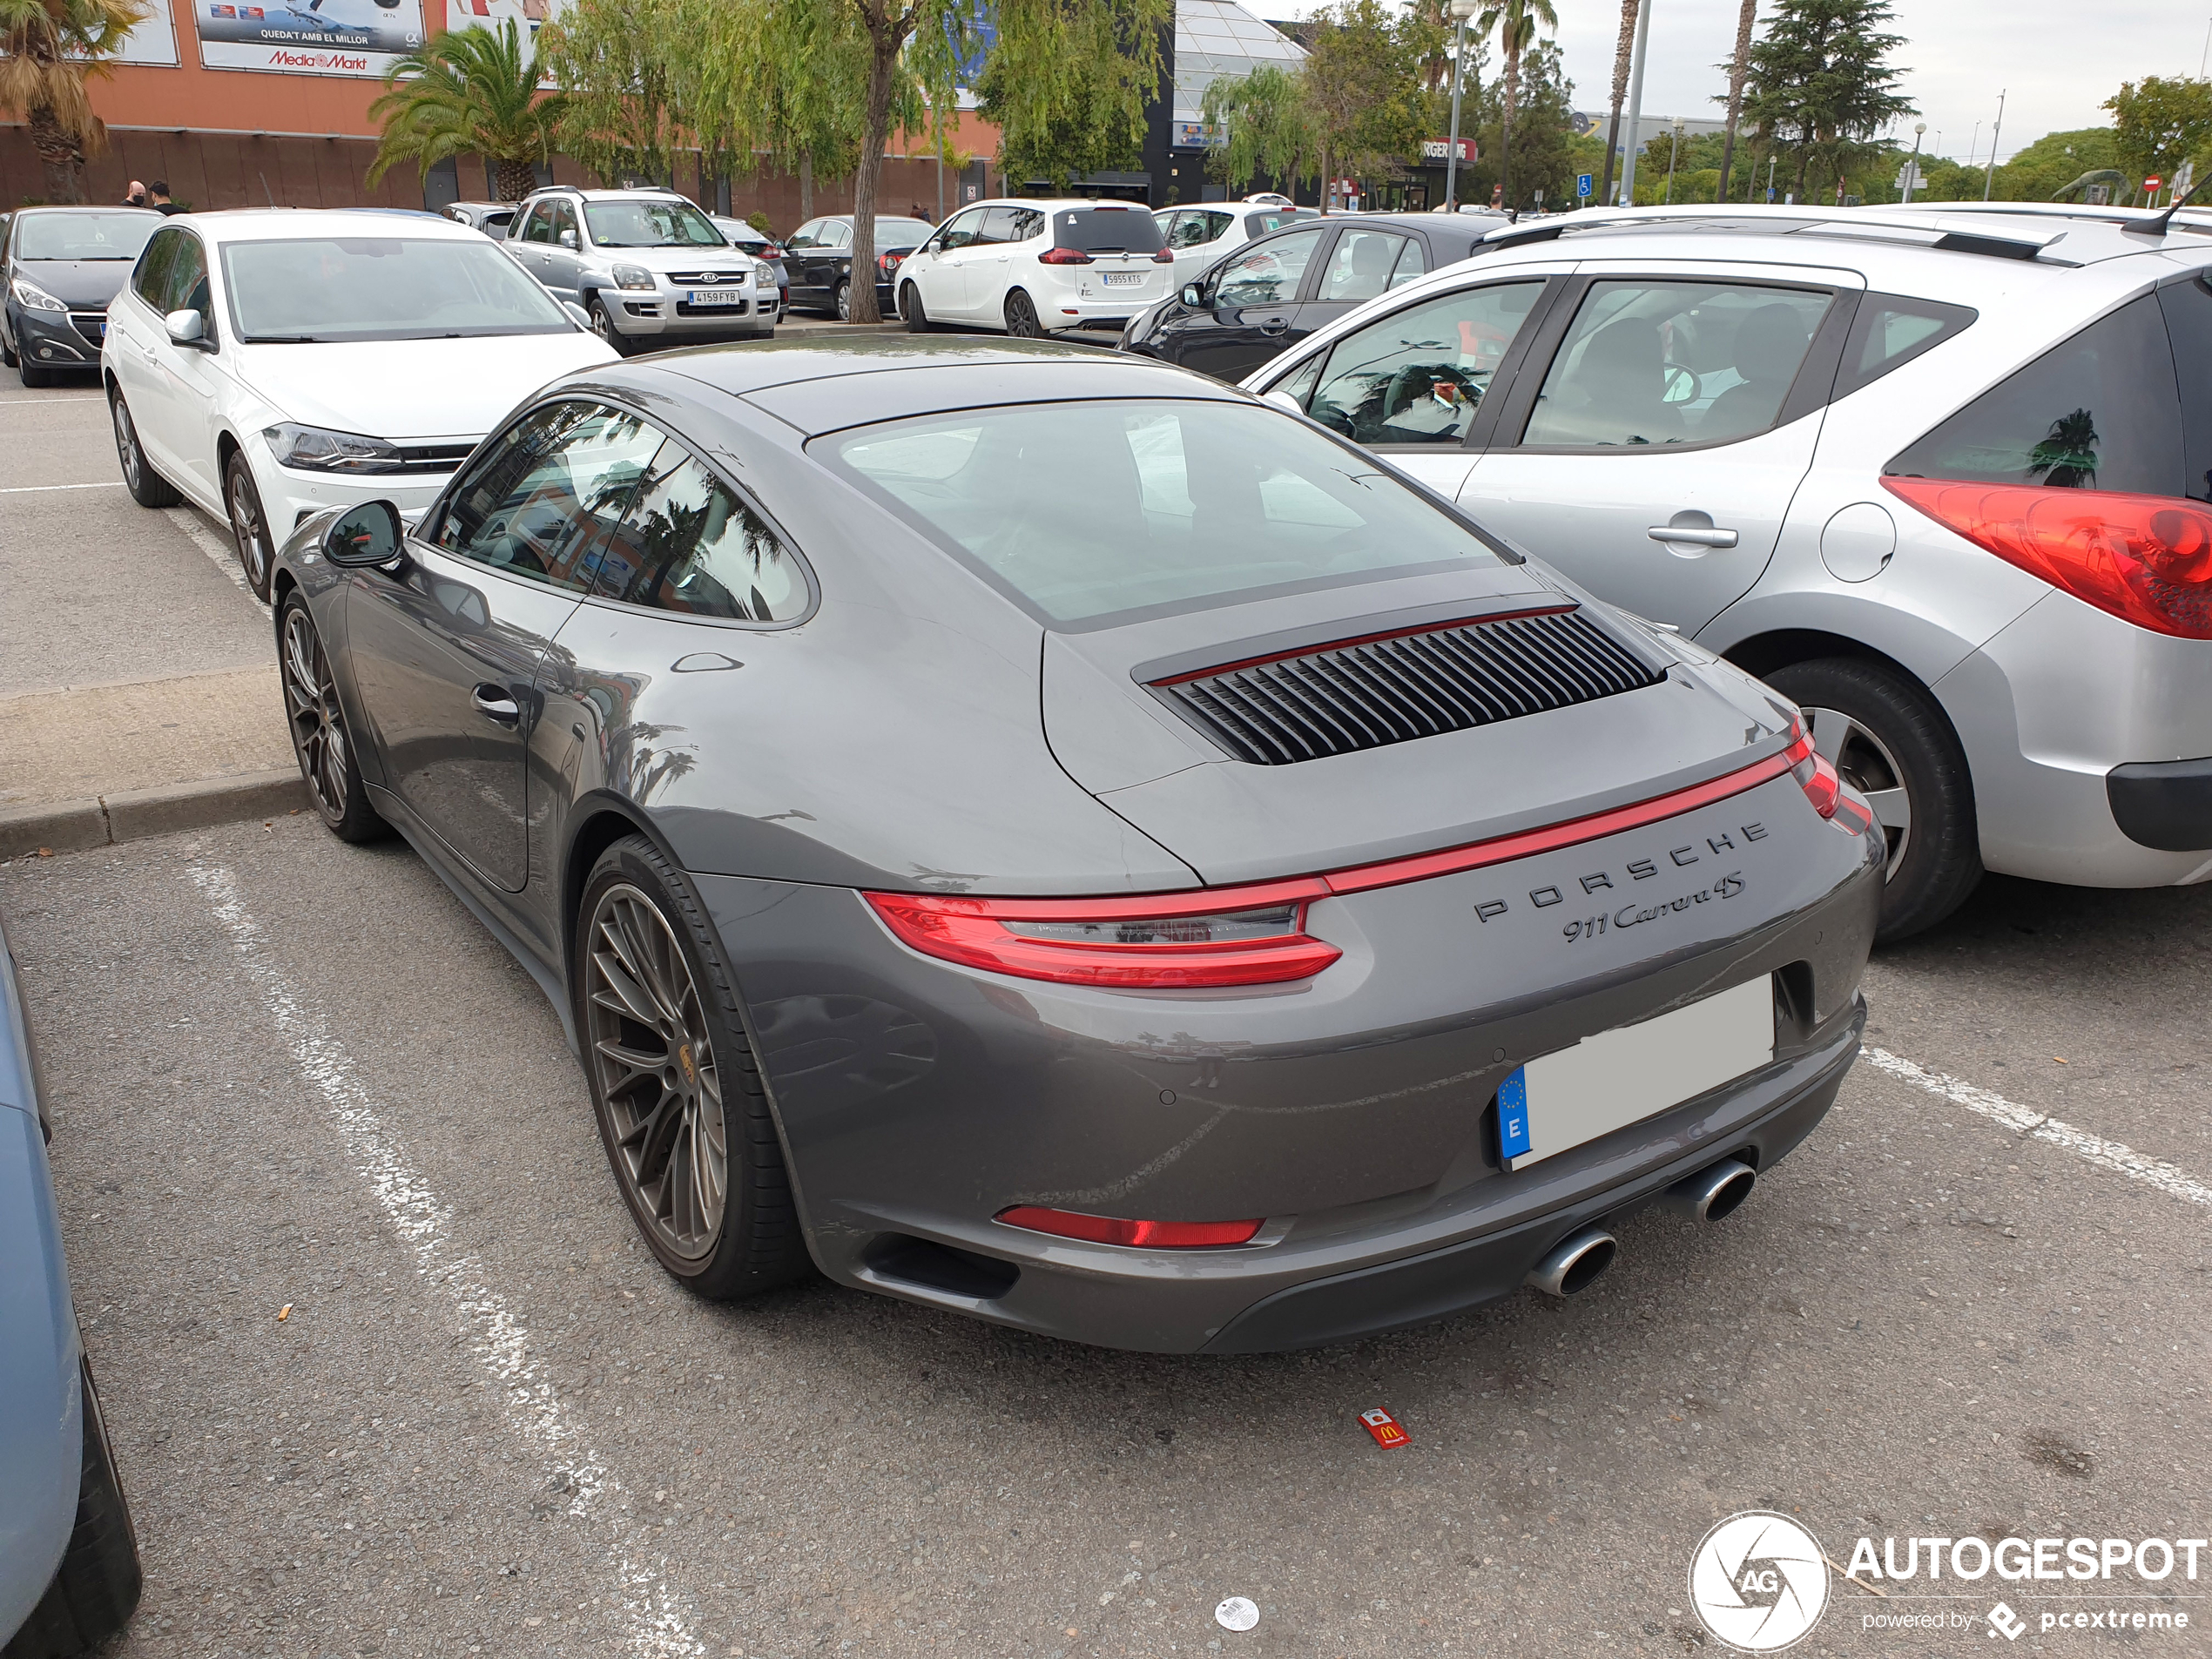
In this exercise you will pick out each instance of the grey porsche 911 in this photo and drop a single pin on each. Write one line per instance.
(1044, 835)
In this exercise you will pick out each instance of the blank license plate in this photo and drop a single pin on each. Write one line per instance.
(1124, 279)
(1622, 1076)
(717, 297)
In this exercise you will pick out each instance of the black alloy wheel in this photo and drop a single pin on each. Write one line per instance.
(1021, 317)
(910, 308)
(249, 526)
(318, 724)
(681, 1110)
(147, 486)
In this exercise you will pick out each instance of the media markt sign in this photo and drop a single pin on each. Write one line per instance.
(1759, 1581)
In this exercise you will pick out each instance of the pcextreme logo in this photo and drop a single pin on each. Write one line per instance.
(1759, 1581)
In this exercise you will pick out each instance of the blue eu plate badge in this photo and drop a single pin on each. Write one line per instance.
(1513, 1115)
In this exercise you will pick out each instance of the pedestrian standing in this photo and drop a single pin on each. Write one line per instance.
(157, 198)
(136, 196)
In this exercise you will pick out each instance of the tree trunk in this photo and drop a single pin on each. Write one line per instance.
(885, 41)
(1511, 89)
(1328, 183)
(806, 185)
(59, 153)
(516, 178)
(1738, 68)
(1623, 54)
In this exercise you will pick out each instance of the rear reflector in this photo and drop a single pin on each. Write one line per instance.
(1137, 1234)
(2146, 559)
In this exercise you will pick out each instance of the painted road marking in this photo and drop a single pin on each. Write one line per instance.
(188, 520)
(41, 489)
(657, 1626)
(2168, 1178)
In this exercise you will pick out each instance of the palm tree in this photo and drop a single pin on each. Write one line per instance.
(1738, 67)
(50, 46)
(1515, 21)
(469, 91)
(1623, 56)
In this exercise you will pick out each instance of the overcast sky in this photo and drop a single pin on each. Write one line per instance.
(2056, 60)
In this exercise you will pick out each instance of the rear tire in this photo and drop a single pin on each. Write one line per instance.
(1890, 742)
(910, 308)
(97, 1588)
(1021, 317)
(147, 486)
(674, 1084)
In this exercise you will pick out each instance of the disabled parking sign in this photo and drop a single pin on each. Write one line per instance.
(1581, 184)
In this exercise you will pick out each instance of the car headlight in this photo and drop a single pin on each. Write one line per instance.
(762, 277)
(30, 294)
(319, 450)
(634, 277)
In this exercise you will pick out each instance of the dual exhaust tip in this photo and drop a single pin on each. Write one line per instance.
(1575, 1262)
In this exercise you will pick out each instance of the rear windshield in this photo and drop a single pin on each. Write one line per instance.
(1106, 230)
(894, 232)
(1181, 503)
(85, 236)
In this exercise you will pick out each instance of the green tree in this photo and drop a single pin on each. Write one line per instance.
(52, 47)
(2052, 163)
(1362, 88)
(614, 60)
(469, 91)
(1623, 60)
(1548, 151)
(1515, 23)
(1265, 128)
(780, 82)
(1820, 86)
(2160, 123)
(1067, 83)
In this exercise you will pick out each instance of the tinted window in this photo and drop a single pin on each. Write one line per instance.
(538, 227)
(185, 286)
(1361, 267)
(1106, 230)
(1181, 502)
(1000, 225)
(1269, 274)
(85, 236)
(151, 280)
(537, 502)
(1260, 224)
(1674, 362)
(1890, 330)
(2099, 411)
(379, 288)
(899, 233)
(1419, 377)
(692, 544)
(2187, 307)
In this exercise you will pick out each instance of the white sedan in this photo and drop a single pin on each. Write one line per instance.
(1200, 234)
(264, 365)
(1037, 267)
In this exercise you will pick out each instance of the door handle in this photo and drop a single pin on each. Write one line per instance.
(494, 703)
(1274, 325)
(1694, 537)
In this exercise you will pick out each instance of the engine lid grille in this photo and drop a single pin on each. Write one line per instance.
(1365, 693)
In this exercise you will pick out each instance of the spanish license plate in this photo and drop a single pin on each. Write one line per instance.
(717, 297)
(1124, 279)
(1622, 1076)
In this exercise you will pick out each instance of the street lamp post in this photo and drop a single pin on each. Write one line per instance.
(1996, 132)
(1460, 11)
(1673, 152)
(1913, 167)
(1635, 106)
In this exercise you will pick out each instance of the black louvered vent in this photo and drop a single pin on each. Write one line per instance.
(1364, 693)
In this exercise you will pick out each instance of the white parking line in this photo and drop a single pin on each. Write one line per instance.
(188, 520)
(41, 489)
(498, 1339)
(2039, 1126)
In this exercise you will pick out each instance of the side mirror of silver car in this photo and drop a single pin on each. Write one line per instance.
(186, 328)
(368, 533)
(568, 240)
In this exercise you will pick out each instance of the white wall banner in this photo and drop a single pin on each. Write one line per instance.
(349, 37)
(153, 42)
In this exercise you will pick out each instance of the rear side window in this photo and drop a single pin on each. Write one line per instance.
(2187, 307)
(2099, 411)
(1419, 377)
(1364, 264)
(540, 498)
(1106, 230)
(1891, 330)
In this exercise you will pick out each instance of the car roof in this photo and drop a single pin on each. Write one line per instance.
(288, 224)
(824, 385)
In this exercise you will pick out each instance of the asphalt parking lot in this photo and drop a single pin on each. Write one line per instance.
(294, 1077)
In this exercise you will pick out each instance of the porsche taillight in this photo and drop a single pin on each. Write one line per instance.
(2146, 559)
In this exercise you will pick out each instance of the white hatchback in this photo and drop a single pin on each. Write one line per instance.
(1200, 234)
(1037, 267)
(265, 364)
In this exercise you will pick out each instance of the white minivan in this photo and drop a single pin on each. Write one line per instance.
(1037, 267)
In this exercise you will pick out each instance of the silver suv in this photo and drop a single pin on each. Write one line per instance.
(1943, 476)
(645, 265)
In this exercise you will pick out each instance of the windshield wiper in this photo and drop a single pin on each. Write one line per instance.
(285, 339)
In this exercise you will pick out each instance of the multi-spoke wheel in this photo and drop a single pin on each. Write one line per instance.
(681, 1110)
(317, 725)
(147, 486)
(1021, 317)
(1888, 739)
(249, 526)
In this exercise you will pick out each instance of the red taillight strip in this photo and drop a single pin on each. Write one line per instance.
(1135, 1235)
(1357, 639)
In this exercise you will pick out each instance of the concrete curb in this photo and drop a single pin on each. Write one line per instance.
(133, 814)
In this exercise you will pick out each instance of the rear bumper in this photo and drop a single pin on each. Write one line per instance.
(2165, 805)
(918, 1100)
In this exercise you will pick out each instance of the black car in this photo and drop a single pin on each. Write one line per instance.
(819, 256)
(1272, 293)
(61, 267)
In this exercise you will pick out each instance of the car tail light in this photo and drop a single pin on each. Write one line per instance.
(1063, 256)
(1252, 935)
(889, 262)
(1140, 1235)
(1164, 257)
(2146, 559)
(1814, 774)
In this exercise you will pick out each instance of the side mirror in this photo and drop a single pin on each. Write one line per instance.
(1283, 400)
(186, 328)
(577, 314)
(366, 534)
(1192, 297)
(568, 240)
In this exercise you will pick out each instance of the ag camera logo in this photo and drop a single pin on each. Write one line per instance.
(1759, 1581)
